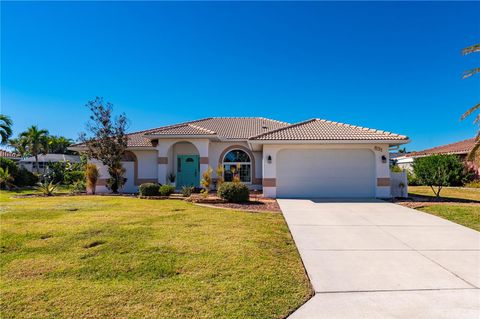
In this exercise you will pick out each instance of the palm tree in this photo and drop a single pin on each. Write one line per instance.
(19, 146)
(36, 142)
(473, 152)
(59, 144)
(5, 128)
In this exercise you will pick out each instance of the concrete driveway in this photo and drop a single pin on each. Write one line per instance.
(373, 259)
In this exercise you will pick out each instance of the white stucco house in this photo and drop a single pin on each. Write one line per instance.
(314, 158)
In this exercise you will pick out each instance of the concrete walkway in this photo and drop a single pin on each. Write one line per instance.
(372, 259)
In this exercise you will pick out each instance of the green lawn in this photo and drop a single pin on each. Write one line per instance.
(461, 214)
(447, 192)
(119, 257)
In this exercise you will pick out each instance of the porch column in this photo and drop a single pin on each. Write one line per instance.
(202, 147)
(269, 171)
(382, 167)
(162, 161)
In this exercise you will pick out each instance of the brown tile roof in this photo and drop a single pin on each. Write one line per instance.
(258, 128)
(462, 147)
(318, 129)
(224, 127)
(8, 154)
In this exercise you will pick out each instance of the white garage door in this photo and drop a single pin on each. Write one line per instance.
(325, 173)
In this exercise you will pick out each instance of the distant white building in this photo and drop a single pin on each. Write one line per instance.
(43, 161)
(402, 160)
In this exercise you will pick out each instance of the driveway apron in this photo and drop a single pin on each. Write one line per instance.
(373, 259)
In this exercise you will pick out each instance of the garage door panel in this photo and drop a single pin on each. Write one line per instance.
(325, 173)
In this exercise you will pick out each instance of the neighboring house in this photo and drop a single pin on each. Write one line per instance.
(315, 158)
(44, 160)
(11, 156)
(402, 160)
(461, 149)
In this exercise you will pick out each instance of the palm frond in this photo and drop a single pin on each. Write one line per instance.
(477, 119)
(471, 49)
(473, 154)
(470, 111)
(470, 73)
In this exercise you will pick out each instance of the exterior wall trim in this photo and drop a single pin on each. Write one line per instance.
(162, 160)
(269, 182)
(383, 181)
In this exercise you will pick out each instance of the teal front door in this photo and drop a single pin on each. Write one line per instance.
(188, 170)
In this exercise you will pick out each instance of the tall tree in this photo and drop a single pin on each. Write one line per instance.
(474, 152)
(19, 146)
(5, 128)
(36, 142)
(107, 140)
(59, 145)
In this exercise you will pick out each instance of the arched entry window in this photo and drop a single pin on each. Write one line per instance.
(237, 163)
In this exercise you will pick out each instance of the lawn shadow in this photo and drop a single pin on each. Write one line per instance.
(431, 198)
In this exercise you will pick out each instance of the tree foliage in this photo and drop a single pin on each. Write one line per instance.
(36, 142)
(438, 171)
(59, 145)
(5, 128)
(107, 140)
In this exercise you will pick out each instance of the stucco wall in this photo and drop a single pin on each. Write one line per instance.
(147, 164)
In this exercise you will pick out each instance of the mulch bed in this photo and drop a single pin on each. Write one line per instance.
(418, 201)
(257, 205)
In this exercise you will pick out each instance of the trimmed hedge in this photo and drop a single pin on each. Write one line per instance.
(166, 190)
(149, 189)
(234, 192)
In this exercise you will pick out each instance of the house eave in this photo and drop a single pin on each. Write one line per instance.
(389, 142)
(174, 136)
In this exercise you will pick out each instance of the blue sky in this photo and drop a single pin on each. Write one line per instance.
(386, 65)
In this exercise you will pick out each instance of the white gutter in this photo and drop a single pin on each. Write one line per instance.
(390, 142)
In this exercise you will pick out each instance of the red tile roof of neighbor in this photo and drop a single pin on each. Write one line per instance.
(462, 147)
(259, 128)
(8, 154)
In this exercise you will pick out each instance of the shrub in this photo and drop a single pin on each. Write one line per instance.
(78, 187)
(396, 169)
(187, 191)
(220, 172)
(412, 179)
(166, 190)
(234, 192)
(8, 163)
(206, 181)
(6, 178)
(71, 177)
(91, 177)
(438, 171)
(21, 176)
(56, 172)
(149, 189)
(47, 188)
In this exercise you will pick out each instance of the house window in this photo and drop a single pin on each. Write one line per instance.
(237, 163)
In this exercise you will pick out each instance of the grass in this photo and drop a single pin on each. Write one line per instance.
(447, 192)
(463, 214)
(468, 216)
(119, 257)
